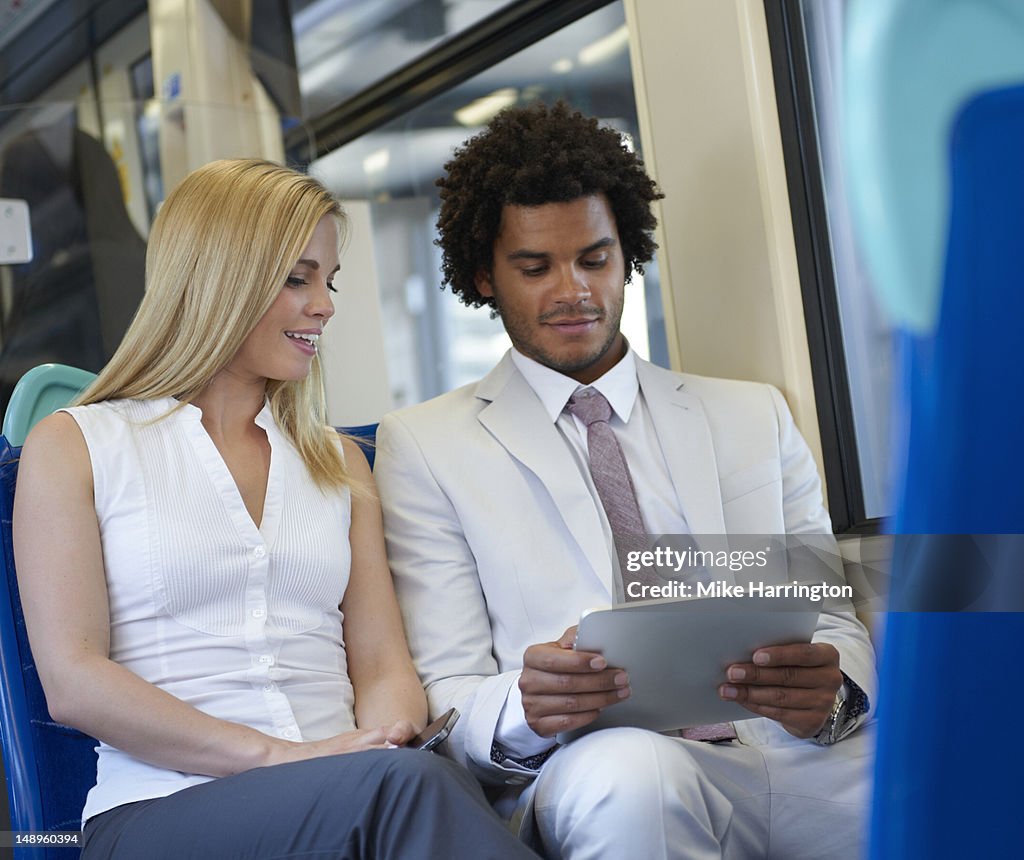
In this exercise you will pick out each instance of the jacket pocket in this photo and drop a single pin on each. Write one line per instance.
(749, 479)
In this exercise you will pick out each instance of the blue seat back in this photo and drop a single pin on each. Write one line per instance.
(939, 790)
(49, 767)
(365, 436)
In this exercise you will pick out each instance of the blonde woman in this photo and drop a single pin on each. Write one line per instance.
(213, 537)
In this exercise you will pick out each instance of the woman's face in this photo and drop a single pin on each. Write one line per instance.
(284, 342)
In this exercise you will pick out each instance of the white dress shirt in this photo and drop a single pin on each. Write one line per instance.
(659, 505)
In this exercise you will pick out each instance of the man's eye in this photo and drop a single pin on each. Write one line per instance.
(296, 282)
(534, 273)
(595, 264)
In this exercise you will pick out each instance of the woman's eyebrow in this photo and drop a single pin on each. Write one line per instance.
(315, 264)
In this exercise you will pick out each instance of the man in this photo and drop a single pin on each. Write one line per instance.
(498, 533)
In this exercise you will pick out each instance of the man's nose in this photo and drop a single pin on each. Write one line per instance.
(573, 287)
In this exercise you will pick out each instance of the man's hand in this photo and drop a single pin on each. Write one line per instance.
(793, 684)
(564, 689)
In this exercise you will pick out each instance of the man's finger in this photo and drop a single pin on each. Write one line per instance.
(804, 654)
(568, 639)
(557, 684)
(784, 676)
(552, 657)
(538, 707)
(548, 727)
(784, 698)
(799, 723)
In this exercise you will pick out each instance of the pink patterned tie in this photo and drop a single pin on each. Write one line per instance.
(711, 733)
(618, 496)
(612, 480)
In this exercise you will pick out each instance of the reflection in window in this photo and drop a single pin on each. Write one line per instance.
(72, 302)
(867, 336)
(147, 128)
(344, 46)
(433, 342)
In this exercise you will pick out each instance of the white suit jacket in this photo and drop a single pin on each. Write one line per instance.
(496, 542)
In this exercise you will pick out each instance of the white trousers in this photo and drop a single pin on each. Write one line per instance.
(620, 794)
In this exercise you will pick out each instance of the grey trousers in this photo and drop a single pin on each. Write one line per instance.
(379, 804)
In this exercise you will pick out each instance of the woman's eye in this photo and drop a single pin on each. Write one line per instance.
(331, 287)
(296, 282)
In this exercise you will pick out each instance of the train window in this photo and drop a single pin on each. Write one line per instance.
(867, 337)
(147, 131)
(432, 342)
(343, 47)
(72, 301)
(852, 344)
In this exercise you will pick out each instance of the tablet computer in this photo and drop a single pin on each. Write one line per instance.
(676, 653)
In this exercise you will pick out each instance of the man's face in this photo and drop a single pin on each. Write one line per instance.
(557, 280)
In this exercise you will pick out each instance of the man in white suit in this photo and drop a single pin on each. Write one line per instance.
(498, 538)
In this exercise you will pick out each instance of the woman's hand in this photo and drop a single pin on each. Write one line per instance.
(400, 733)
(358, 740)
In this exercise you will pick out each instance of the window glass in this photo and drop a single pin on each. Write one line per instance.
(147, 130)
(344, 46)
(433, 342)
(868, 339)
(71, 297)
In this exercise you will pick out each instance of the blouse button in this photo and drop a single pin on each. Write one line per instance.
(259, 552)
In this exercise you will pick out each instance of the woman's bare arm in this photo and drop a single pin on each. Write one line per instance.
(387, 688)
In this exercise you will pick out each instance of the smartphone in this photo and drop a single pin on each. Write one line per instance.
(436, 732)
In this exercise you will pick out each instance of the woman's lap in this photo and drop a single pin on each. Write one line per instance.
(379, 804)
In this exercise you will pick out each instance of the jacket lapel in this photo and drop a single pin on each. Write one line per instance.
(516, 419)
(685, 436)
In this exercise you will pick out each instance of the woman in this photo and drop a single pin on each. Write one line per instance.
(214, 536)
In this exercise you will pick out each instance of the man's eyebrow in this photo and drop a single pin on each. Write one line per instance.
(526, 254)
(606, 242)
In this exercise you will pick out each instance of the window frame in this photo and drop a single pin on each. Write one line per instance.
(795, 99)
(458, 58)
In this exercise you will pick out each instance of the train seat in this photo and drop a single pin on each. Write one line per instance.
(49, 767)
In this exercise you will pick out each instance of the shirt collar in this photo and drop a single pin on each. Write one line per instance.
(619, 385)
(264, 418)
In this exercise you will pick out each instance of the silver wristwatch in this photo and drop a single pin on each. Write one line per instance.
(849, 710)
(833, 730)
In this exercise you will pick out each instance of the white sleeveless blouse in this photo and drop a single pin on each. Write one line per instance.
(241, 622)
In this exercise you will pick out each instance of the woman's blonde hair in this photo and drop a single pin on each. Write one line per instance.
(220, 251)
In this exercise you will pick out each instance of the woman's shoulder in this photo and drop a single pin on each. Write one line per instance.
(109, 426)
(121, 411)
(57, 442)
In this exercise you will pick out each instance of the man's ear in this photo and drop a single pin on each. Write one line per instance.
(483, 284)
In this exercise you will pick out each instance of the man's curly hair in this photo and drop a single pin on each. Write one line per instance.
(529, 156)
